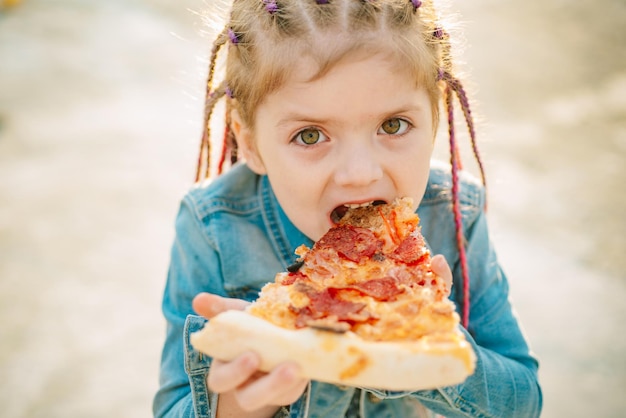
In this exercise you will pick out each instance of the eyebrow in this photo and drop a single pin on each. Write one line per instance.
(295, 117)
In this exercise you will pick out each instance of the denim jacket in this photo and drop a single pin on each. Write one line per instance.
(232, 237)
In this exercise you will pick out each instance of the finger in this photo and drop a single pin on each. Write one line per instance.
(209, 305)
(280, 387)
(441, 268)
(292, 389)
(293, 393)
(225, 376)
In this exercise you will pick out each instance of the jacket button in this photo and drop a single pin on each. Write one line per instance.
(373, 398)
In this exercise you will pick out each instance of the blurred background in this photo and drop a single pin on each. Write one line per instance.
(100, 114)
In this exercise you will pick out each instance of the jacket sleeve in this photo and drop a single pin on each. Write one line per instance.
(505, 382)
(194, 268)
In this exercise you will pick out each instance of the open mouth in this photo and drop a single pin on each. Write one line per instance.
(341, 210)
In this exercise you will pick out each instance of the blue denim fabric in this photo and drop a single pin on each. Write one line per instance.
(232, 237)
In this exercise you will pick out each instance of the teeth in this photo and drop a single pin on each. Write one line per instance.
(359, 205)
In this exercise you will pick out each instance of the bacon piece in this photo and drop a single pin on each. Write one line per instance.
(291, 278)
(391, 225)
(350, 242)
(383, 289)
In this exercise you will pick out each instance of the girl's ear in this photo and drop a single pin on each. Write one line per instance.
(245, 143)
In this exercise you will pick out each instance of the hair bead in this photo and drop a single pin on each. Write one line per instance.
(416, 4)
(271, 6)
(234, 39)
(439, 33)
(228, 92)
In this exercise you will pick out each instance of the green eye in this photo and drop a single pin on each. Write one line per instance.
(310, 136)
(392, 126)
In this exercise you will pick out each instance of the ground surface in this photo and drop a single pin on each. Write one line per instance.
(99, 119)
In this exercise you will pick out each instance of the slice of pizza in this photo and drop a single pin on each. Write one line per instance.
(362, 307)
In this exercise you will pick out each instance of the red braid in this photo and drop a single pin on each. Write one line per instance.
(220, 166)
(456, 85)
(456, 208)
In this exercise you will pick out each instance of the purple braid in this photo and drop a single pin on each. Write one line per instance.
(440, 74)
(456, 85)
(228, 144)
(204, 156)
(209, 101)
(234, 157)
(221, 40)
(220, 165)
(456, 208)
(204, 144)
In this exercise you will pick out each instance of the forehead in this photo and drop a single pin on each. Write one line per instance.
(353, 92)
(281, 60)
(329, 55)
(309, 59)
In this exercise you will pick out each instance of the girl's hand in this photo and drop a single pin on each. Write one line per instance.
(441, 268)
(252, 388)
(241, 385)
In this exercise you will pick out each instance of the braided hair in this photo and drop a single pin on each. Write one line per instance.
(265, 38)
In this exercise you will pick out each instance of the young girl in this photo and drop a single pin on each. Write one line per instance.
(332, 103)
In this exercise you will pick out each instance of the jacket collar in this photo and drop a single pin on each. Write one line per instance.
(282, 232)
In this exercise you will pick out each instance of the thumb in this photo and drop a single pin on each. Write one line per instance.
(208, 305)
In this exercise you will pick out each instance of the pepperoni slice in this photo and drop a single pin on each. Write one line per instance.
(382, 289)
(350, 242)
(410, 251)
(326, 303)
(329, 302)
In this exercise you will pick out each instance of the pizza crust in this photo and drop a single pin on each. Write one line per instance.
(340, 358)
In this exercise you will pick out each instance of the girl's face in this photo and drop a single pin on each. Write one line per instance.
(361, 133)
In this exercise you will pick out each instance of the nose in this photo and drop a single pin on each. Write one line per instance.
(358, 166)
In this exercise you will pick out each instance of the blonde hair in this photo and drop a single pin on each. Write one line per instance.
(266, 38)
